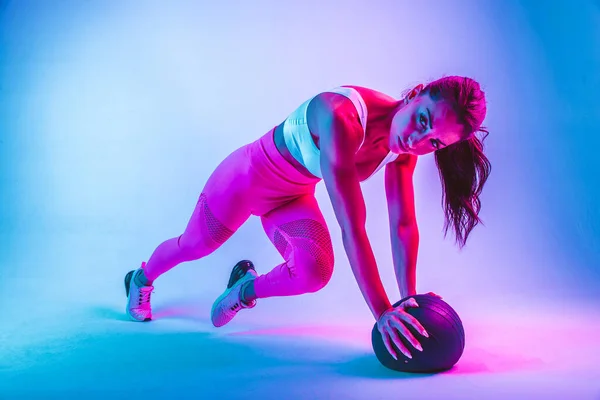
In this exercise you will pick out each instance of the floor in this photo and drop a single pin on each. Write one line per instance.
(69, 338)
(52, 351)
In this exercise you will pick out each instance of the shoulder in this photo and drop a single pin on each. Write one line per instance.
(372, 96)
(404, 163)
(329, 108)
(333, 119)
(399, 176)
(334, 104)
(345, 103)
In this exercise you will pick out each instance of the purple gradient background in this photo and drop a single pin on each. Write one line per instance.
(113, 114)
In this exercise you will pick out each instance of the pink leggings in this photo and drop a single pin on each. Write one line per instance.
(256, 180)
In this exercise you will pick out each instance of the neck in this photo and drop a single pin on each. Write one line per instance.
(388, 113)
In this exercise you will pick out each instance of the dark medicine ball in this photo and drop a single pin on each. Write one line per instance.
(441, 350)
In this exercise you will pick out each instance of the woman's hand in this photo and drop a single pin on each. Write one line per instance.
(393, 322)
(434, 295)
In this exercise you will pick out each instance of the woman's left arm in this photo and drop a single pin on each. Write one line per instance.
(404, 232)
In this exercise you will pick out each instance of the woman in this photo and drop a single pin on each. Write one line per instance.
(342, 137)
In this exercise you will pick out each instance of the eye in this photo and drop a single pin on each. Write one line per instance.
(423, 121)
(435, 143)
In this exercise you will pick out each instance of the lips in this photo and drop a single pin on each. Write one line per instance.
(401, 145)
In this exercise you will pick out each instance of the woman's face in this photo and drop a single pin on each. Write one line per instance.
(422, 126)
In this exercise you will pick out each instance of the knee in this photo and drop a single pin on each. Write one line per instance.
(313, 269)
(204, 234)
(318, 277)
(195, 247)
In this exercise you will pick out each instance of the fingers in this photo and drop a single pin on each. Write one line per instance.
(414, 322)
(410, 303)
(400, 327)
(403, 315)
(395, 336)
(435, 295)
(388, 344)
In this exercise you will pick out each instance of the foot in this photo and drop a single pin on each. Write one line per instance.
(230, 302)
(138, 298)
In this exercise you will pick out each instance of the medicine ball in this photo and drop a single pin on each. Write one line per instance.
(441, 350)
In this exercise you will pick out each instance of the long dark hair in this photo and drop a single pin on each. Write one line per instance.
(463, 167)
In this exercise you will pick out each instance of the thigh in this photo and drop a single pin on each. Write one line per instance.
(299, 223)
(224, 203)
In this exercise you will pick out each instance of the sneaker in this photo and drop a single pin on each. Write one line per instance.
(229, 303)
(138, 298)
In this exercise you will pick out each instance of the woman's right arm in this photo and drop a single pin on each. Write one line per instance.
(334, 118)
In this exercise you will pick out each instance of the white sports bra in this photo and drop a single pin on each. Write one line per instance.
(300, 143)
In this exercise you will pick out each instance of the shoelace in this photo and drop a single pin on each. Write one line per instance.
(144, 296)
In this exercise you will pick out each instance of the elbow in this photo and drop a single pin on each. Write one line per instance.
(406, 235)
(353, 231)
(408, 228)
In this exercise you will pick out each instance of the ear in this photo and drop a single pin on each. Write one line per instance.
(416, 90)
(413, 93)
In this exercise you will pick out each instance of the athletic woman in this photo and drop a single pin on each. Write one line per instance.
(342, 136)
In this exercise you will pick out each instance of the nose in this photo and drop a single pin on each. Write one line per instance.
(415, 138)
